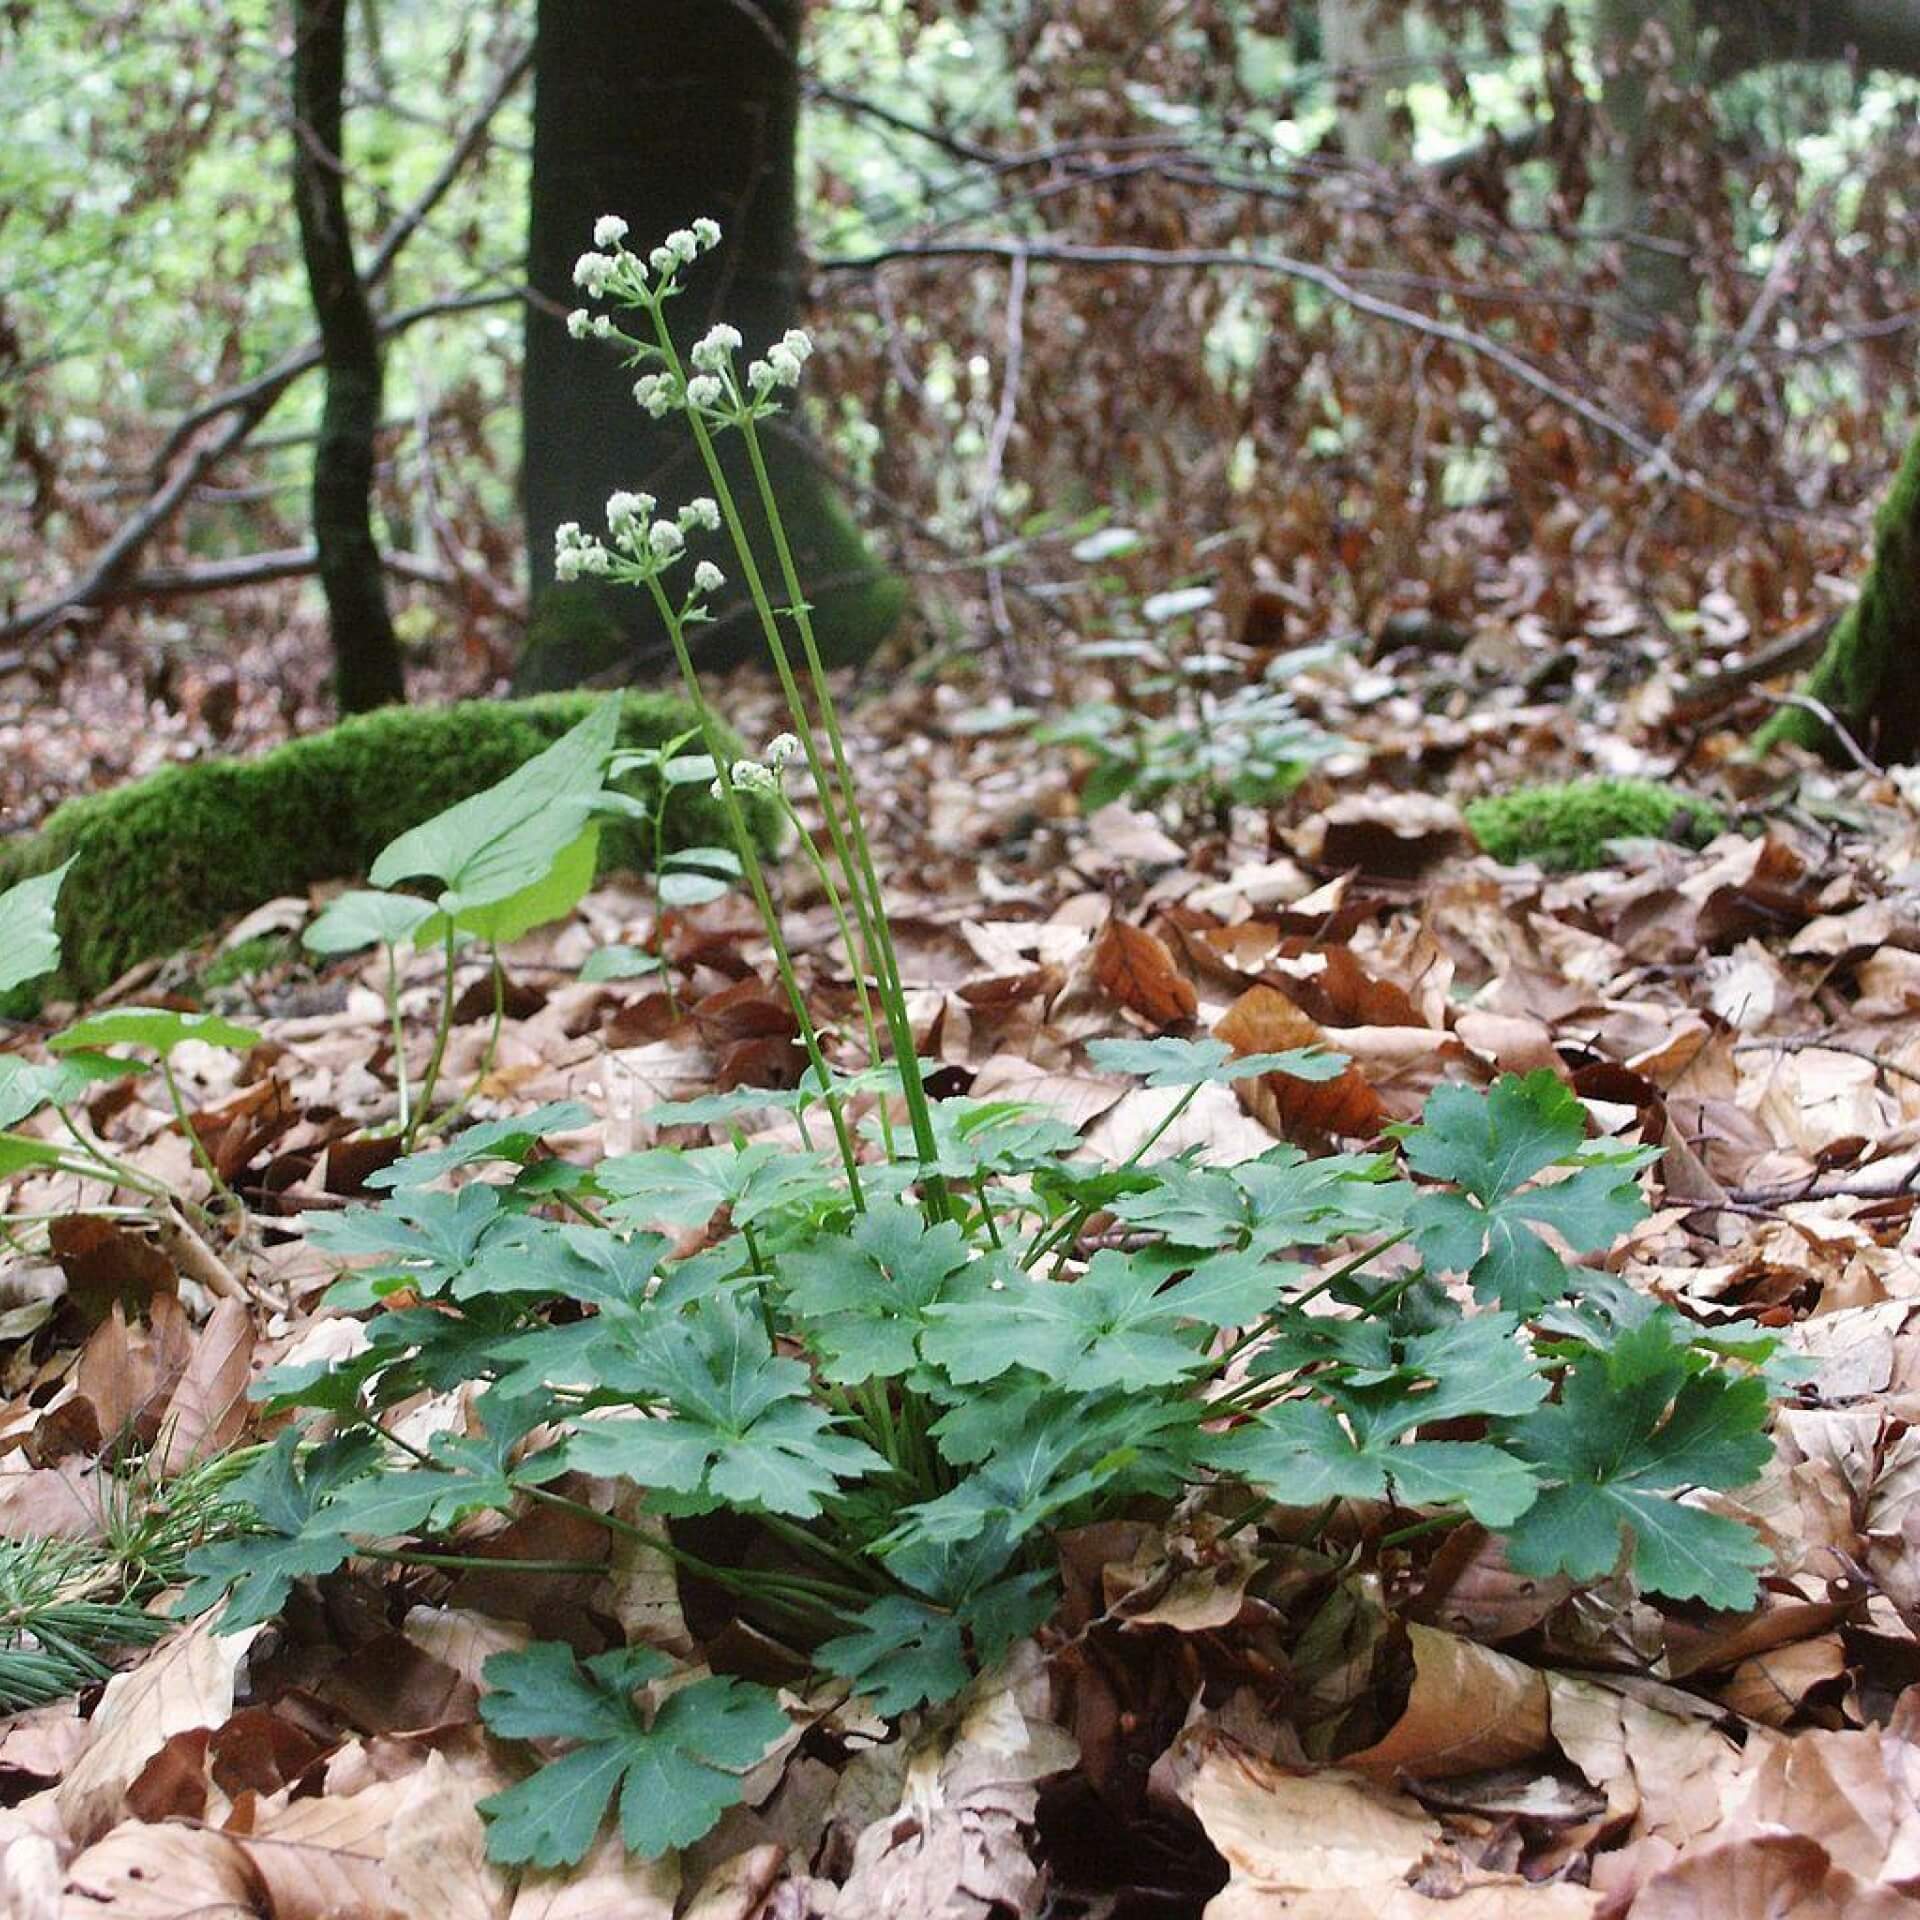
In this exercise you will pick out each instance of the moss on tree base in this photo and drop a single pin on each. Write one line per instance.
(1567, 827)
(162, 862)
(1869, 676)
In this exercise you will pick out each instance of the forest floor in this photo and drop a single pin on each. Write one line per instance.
(1370, 1727)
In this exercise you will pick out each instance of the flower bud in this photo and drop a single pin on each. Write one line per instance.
(710, 353)
(707, 233)
(707, 578)
(609, 230)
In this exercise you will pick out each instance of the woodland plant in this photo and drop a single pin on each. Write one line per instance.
(880, 1352)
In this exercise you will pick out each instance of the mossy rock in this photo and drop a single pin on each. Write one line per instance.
(1567, 827)
(162, 862)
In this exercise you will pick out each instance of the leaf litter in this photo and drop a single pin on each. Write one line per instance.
(1349, 1721)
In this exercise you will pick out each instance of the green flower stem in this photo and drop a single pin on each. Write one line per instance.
(488, 1056)
(1433, 1523)
(869, 907)
(986, 1212)
(880, 937)
(473, 1562)
(442, 1031)
(800, 1538)
(399, 1038)
(199, 1147)
(824, 874)
(757, 882)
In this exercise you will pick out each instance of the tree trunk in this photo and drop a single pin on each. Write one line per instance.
(366, 657)
(660, 114)
(1365, 42)
(1869, 676)
(1646, 47)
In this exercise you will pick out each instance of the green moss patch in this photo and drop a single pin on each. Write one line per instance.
(1567, 827)
(162, 862)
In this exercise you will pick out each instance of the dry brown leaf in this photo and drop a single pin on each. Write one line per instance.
(1469, 1709)
(1289, 1832)
(1135, 970)
(1264, 1020)
(207, 1409)
(186, 1682)
(1770, 1876)
(165, 1873)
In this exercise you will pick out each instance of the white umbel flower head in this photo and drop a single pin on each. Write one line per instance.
(751, 777)
(579, 323)
(683, 245)
(664, 262)
(700, 512)
(706, 234)
(782, 749)
(574, 553)
(705, 390)
(666, 540)
(625, 511)
(707, 578)
(658, 393)
(798, 342)
(784, 364)
(592, 272)
(609, 230)
(711, 352)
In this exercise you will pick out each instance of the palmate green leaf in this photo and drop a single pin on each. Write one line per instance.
(901, 1653)
(1302, 1454)
(1281, 1199)
(974, 1137)
(675, 1187)
(1634, 1427)
(1172, 1062)
(905, 1651)
(1118, 1325)
(675, 1769)
(863, 1298)
(512, 1139)
(1067, 1449)
(156, 1029)
(506, 841)
(1490, 1145)
(29, 939)
(419, 1239)
(366, 918)
(288, 1496)
(737, 1426)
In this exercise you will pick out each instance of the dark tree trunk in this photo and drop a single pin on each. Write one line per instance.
(1869, 676)
(366, 657)
(660, 113)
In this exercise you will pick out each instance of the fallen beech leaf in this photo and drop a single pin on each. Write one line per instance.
(165, 1873)
(1293, 1832)
(1264, 1020)
(1469, 1709)
(208, 1407)
(1134, 968)
(186, 1682)
(1772, 1876)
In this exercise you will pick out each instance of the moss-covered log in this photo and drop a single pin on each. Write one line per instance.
(661, 113)
(1869, 676)
(161, 862)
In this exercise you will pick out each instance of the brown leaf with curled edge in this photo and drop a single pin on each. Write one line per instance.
(1134, 968)
(1469, 1709)
(208, 1407)
(1264, 1020)
(1771, 1874)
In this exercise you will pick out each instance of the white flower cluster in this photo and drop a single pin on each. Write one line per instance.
(716, 348)
(657, 393)
(763, 776)
(576, 553)
(643, 546)
(610, 268)
(783, 363)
